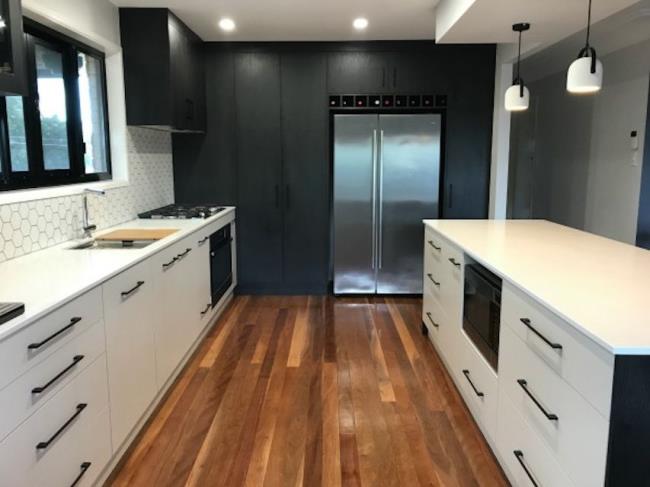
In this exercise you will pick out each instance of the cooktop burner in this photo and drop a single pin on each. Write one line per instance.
(182, 212)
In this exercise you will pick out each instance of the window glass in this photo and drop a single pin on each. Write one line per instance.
(93, 120)
(17, 138)
(52, 108)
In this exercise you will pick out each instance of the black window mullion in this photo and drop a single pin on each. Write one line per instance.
(75, 134)
(32, 118)
(5, 157)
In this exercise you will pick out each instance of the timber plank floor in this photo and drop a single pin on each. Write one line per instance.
(312, 391)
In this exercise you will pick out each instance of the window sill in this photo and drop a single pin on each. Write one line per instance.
(23, 195)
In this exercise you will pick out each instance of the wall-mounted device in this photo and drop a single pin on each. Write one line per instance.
(387, 101)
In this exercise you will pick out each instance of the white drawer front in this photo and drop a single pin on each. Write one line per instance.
(28, 347)
(477, 383)
(430, 318)
(453, 269)
(514, 435)
(22, 463)
(28, 393)
(583, 364)
(578, 437)
(432, 251)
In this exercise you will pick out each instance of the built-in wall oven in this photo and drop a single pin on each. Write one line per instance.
(482, 311)
(220, 263)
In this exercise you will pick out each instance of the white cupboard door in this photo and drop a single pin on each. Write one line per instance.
(129, 317)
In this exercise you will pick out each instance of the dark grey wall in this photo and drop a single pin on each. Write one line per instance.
(209, 168)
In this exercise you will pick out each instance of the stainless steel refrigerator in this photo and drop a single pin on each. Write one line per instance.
(386, 181)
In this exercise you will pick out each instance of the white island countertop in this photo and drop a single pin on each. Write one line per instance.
(599, 286)
(47, 279)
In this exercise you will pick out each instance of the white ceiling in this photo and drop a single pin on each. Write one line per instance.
(302, 20)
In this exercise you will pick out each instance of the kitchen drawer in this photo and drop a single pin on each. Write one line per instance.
(18, 400)
(431, 316)
(130, 347)
(433, 250)
(583, 364)
(477, 384)
(84, 438)
(453, 281)
(523, 453)
(433, 282)
(569, 426)
(33, 344)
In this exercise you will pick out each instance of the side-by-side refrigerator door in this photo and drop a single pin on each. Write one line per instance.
(355, 203)
(409, 186)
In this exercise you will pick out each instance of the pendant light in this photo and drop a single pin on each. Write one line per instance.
(518, 96)
(585, 74)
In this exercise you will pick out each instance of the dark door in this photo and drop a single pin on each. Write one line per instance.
(259, 214)
(357, 72)
(179, 51)
(306, 172)
(413, 72)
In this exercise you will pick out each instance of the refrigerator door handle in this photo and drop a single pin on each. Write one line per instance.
(374, 199)
(380, 230)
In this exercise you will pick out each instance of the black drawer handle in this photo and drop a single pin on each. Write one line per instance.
(453, 261)
(180, 256)
(207, 308)
(555, 346)
(476, 391)
(128, 293)
(430, 276)
(170, 263)
(44, 445)
(435, 246)
(520, 458)
(524, 385)
(84, 468)
(203, 240)
(36, 346)
(431, 320)
(75, 361)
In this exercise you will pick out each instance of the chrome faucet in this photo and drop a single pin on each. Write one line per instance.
(87, 227)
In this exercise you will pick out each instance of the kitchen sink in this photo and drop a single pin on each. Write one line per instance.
(111, 245)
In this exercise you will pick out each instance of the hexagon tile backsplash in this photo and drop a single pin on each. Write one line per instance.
(34, 225)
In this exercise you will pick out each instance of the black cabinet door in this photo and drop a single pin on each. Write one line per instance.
(306, 172)
(358, 72)
(259, 216)
(13, 74)
(413, 72)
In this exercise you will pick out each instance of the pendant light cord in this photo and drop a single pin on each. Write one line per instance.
(588, 25)
(519, 55)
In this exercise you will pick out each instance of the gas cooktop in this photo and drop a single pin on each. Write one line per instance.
(182, 212)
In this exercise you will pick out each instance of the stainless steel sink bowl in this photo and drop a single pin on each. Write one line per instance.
(111, 245)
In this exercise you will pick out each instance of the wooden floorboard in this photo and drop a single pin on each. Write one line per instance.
(313, 391)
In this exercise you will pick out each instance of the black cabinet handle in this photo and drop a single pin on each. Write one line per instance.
(433, 280)
(431, 320)
(203, 240)
(551, 344)
(453, 261)
(180, 256)
(435, 246)
(524, 385)
(170, 263)
(36, 346)
(476, 391)
(207, 308)
(520, 458)
(126, 294)
(44, 445)
(84, 468)
(40, 389)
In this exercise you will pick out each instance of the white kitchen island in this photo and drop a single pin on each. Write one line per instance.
(569, 403)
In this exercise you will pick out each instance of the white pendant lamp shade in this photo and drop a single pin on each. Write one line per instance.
(515, 100)
(581, 80)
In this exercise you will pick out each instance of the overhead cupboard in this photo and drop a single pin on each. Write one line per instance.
(78, 384)
(558, 409)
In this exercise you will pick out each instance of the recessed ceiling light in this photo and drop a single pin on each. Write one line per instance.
(360, 23)
(227, 24)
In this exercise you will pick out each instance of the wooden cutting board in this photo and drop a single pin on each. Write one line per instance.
(137, 234)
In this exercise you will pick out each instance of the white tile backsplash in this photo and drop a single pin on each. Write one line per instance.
(34, 225)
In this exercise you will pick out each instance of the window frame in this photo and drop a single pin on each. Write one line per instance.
(37, 176)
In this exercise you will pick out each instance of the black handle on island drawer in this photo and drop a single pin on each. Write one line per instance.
(453, 261)
(170, 263)
(36, 346)
(520, 458)
(436, 325)
(430, 276)
(435, 246)
(551, 344)
(524, 385)
(181, 255)
(207, 308)
(126, 294)
(476, 391)
(84, 468)
(76, 359)
(44, 445)
(203, 240)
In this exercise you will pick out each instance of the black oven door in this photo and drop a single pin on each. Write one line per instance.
(220, 263)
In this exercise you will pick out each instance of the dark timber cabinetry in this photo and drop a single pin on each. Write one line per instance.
(163, 71)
